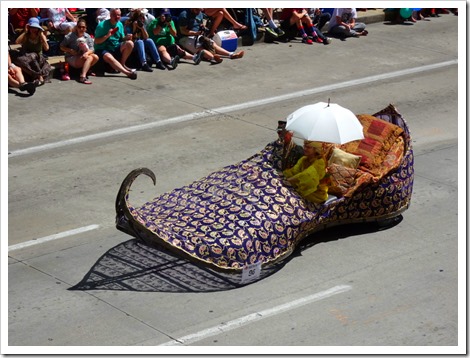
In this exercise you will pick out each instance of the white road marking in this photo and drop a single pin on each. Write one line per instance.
(52, 237)
(227, 109)
(242, 321)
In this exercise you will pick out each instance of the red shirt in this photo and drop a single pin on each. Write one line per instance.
(21, 17)
(287, 13)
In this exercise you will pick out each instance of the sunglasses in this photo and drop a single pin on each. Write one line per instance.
(81, 27)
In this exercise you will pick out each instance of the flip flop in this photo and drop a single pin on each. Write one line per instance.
(241, 28)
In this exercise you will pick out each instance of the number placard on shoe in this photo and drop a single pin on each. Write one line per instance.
(251, 272)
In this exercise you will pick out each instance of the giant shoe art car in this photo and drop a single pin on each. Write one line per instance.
(248, 214)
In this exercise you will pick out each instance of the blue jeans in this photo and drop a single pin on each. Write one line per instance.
(141, 45)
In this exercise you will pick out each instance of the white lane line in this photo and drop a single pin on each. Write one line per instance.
(52, 237)
(242, 321)
(227, 109)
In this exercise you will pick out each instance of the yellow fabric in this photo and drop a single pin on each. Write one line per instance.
(345, 159)
(308, 179)
(313, 144)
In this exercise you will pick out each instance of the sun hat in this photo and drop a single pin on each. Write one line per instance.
(34, 22)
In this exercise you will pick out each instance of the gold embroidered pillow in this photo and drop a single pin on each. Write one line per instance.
(343, 158)
(342, 179)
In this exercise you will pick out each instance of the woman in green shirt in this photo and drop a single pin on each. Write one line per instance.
(163, 32)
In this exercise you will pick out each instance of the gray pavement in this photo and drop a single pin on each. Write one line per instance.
(68, 159)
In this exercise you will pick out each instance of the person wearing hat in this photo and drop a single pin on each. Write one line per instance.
(33, 42)
(306, 176)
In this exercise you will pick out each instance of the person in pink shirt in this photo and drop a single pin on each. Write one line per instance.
(59, 18)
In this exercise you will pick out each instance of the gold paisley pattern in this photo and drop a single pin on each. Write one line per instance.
(247, 213)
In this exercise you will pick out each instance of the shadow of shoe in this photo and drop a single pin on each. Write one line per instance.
(135, 266)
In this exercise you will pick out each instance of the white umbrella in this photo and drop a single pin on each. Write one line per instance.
(325, 122)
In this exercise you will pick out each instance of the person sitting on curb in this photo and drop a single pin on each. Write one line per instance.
(135, 26)
(319, 18)
(31, 58)
(192, 30)
(61, 19)
(112, 45)
(162, 30)
(16, 79)
(343, 24)
(302, 22)
(78, 47)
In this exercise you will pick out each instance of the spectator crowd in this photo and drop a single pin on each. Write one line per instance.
(127, 40)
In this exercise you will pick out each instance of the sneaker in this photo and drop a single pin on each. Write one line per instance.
(279, 31)
(327, 40)
(198, 57)
(271, 32)
(160, 65)
(146, 67)
(174, 61)
(307, 40)
(133, 75)
(234, 56)
(65, 77)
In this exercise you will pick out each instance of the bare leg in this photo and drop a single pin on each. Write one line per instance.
(90, 61)
(218, 15)
(16, 79)
(126, 50)
(268, 13)
(164, 54)
(115, 64)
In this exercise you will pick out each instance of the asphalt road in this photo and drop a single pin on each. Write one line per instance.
(351, 289)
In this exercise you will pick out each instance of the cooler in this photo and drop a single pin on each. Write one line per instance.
(227, 39)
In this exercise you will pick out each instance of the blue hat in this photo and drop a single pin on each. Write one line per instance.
(34, 22)
(165, 12)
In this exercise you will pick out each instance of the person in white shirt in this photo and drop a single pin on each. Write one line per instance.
(343, 24)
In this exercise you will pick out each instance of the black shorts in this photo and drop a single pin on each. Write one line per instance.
(116, 53)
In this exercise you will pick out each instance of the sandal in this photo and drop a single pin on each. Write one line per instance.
(241, 28)
(92, 74)
(85, 81)
(234, 56)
